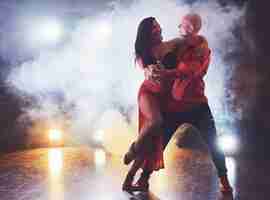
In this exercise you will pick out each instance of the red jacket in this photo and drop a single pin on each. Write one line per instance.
(188, 92)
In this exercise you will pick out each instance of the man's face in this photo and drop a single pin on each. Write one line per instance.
(186, 28)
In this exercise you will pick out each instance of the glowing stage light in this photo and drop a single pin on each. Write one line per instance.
(45, 32)
(228, 144)
(55, 135)
(102, 30)
(98, 136)
(100, 157)
(51, 30)
(105, 28)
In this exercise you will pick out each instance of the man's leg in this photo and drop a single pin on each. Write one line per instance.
(171, 122)
(206, 125)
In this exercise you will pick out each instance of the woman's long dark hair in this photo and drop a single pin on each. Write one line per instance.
(143, 41)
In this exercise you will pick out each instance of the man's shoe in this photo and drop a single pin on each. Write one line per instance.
(225, 186)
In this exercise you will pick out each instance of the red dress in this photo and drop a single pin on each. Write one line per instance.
(153, 158)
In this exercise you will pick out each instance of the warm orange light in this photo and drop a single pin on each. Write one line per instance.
(55, 135)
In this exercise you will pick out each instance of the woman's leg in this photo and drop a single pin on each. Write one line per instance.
(143, 182)
(150, 126)
(135, 166)
(149, 107)
(127, 184)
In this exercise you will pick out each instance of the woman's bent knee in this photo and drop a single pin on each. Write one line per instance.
(156, 125)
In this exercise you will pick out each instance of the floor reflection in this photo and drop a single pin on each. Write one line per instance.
(56, 182)
(231, 165)
(55, 162)
(71, 173)
(100, 158)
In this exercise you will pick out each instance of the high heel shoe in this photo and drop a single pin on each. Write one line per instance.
(127, 184)
(142, 184)
(130, 155)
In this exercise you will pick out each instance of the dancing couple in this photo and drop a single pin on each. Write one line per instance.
(171, 94)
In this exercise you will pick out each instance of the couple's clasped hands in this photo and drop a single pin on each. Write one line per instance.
(155, 72)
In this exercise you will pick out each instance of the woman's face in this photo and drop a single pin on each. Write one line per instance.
(156, 32)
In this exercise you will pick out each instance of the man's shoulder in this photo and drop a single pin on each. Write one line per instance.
(202, 42)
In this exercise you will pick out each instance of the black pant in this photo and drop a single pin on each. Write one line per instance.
(202, 118)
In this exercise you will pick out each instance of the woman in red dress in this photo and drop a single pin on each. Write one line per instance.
(147, 151)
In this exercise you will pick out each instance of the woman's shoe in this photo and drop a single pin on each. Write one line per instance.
(142, 184)
(130, 155)
(127, 184)
(225, 186)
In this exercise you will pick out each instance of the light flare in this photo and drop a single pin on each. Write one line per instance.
(55, 135)
(228, 144)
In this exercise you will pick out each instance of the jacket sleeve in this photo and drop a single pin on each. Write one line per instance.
(197, 62)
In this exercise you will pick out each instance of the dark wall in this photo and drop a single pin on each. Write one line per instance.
(11, 137)
(258, 132)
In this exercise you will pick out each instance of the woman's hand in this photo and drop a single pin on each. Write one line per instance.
(157, 73)
(152, 72)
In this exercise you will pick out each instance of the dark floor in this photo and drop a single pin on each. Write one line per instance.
(84, 173)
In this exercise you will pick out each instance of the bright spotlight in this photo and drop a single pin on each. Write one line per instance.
(228, 143)
(102, 30)
(105, 28)
(51, 30)
(55, 135)
(98, 136)
(46, 32)
(100, 157)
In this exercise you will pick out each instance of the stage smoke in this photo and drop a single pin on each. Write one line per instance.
(87, 78)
